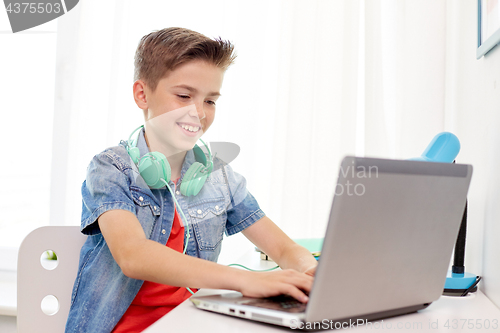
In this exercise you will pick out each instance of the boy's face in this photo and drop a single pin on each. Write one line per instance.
(182, 107)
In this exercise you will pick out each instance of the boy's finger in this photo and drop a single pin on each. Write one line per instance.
(304, 282)
(298, 294)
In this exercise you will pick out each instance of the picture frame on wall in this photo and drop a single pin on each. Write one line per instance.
(488, 26)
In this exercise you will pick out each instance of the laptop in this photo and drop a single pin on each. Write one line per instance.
(387, 248)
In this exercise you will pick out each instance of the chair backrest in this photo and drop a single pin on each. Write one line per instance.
(35, 283)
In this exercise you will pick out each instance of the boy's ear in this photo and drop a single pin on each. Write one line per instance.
(140, 97)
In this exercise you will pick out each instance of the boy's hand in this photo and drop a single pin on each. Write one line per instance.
(311, 271)
(285, 282)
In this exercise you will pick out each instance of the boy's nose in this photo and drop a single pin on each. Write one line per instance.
(200, 113)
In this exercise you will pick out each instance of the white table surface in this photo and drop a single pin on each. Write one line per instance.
(448, 314)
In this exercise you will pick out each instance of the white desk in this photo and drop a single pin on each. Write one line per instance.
(448, 314)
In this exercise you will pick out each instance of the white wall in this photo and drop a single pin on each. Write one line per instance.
(473, 110)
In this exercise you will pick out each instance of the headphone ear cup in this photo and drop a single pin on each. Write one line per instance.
(193, 180)
(153, 167)
(134, 154)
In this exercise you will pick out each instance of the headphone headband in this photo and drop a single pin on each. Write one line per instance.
(130, 136)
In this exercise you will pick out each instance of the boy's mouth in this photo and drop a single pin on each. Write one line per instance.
(189, 129)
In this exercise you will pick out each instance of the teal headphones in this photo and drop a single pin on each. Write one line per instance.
(155, 170)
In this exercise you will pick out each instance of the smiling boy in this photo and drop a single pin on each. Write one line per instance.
(132, 267)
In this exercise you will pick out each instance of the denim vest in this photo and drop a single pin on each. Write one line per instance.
(102, 293)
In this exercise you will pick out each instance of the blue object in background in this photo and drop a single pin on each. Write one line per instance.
(443, 148)
(459, 281)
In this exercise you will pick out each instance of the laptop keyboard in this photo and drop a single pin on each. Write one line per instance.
(282, 303)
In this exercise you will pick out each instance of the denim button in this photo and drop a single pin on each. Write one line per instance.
(177, 192)
(154, 207)
(217, 207)
(141, 199)
(164, 231)
(199, 211)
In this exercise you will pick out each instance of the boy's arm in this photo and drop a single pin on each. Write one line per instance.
(269, 238)
(144, 259)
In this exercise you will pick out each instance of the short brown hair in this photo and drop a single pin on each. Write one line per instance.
(164, 50)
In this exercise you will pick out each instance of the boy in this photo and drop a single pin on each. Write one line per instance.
(132, 267)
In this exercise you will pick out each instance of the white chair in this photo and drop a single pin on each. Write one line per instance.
(34, 282)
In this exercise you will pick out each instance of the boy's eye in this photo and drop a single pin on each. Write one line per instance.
(211, 102)
(183, 96)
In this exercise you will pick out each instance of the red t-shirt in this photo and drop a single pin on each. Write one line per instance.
(154, 300)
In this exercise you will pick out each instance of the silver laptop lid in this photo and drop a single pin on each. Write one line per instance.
(389, 240)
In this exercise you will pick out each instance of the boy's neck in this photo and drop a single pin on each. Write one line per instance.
(174, 158)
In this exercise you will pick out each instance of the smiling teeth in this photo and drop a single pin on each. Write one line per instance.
(190, 128)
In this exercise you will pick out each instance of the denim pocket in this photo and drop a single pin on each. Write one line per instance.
(147, 209)
(208, 218)
(143, 200)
